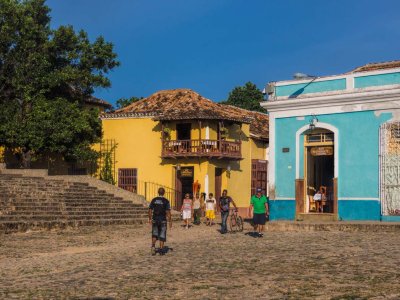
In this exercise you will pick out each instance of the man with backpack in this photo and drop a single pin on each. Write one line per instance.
(159, 211)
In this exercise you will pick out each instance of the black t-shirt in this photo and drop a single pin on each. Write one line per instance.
(225, 202)
(159, 205)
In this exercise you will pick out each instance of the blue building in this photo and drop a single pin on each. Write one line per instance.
(339, 135)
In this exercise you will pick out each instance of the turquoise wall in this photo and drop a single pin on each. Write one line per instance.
(359, 210)
(282, 210)
(377, 80)
(293, 90)
(358, 158)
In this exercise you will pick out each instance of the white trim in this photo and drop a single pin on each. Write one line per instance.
(355, 97)
(340, 76)
(129, 117)
(340, 199)
(206, 184)
(336, 146)
(357, 199)
(271, 154)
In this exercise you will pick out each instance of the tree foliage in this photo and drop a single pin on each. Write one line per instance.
(123, 102)
(45, 77)
(247, 97)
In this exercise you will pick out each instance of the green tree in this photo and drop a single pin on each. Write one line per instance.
(247, 97)
(123, 102)
(45, 77)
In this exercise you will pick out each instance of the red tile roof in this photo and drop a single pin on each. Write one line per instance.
(185, 104)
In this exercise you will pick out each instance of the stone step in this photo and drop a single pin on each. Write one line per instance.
(45, 217)
(316, 217)
(38, 203)
(75, 208)
(33, 198)
(15, 226)
(70, 204)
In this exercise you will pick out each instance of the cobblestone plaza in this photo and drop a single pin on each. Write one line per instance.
(114, 262)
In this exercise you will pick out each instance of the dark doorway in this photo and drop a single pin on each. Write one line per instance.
(183, 184)
(320, 174)
(218, 185)
(183, 131)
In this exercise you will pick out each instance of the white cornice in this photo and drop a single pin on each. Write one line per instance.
(354, 98)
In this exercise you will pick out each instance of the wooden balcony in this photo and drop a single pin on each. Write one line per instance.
(201, 148)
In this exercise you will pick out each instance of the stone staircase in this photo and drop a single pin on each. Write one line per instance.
(29, 202)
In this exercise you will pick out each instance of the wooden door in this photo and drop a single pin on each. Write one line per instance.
(127, 179)
(218, 185)
(259, 175)
(178, 189)
(299, 196)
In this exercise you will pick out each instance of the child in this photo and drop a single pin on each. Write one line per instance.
(186, 210)
(210, 209)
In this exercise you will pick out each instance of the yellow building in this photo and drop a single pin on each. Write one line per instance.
(180, 140)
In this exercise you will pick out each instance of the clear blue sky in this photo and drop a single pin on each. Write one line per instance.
(211, 46)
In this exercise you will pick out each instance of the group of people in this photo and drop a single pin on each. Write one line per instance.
(195, 207)
(160, 213)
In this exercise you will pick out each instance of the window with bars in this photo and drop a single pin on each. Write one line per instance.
(127, 179)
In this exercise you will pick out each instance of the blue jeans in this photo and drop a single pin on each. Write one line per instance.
(224, 218)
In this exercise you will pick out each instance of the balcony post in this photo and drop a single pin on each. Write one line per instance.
(162, 139)
(199, 149)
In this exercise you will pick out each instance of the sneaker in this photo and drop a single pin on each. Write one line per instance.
(260, 234)
(153, 250)
(162, 251)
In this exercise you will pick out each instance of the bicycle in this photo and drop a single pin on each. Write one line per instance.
(236, 222)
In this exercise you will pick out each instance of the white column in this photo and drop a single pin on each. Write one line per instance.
(206, 184)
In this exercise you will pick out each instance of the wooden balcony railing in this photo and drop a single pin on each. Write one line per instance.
(199, 148)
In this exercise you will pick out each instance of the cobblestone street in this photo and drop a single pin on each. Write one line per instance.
(115, 263)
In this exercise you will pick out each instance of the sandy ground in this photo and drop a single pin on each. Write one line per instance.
(114, 262)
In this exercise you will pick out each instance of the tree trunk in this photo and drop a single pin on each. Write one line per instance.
(26, 158)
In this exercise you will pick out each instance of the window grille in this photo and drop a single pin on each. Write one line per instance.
(389, 175)
(127, 179)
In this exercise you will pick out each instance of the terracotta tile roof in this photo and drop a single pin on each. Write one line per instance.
(185, 104)
(97, 101)
(377, 66)
(259, 126)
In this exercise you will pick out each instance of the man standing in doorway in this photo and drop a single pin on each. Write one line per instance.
(224, 204)
(260, 210)
(159, 211)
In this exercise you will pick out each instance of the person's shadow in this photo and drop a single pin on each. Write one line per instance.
(253, 234)
(164, 250)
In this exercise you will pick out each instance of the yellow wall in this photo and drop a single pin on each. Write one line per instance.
(258, 149)
(139, 146)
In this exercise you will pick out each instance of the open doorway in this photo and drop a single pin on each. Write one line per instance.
(183, 131)
(319, 171)
(184, 183)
